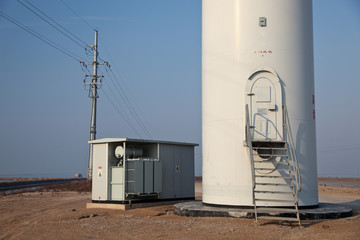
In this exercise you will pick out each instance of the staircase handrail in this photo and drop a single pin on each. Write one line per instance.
(249, 144)
(288, 134)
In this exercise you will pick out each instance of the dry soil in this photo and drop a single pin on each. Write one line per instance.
(62, 215)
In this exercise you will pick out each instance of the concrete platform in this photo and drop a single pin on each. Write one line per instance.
(128, 206)
(198, 209)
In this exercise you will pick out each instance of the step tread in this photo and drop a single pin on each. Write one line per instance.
(278, 218)
(273, 192)
(273, 200)
(272, 148)
(271, 155)
(274, 184)
(265, 169)
(276, 210)
(271, 161)
(264, 176)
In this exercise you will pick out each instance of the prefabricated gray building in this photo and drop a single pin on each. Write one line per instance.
(132, 169)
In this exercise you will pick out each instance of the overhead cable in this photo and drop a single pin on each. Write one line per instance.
(42, 38)
(128, 104)
(122, 110)
(122, 115)
(77, 14)
(121, 92)
(124, 96)
(51, 24)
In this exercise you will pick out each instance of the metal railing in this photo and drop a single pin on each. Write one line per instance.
(288, 138)
(249, 143)
(291, 161)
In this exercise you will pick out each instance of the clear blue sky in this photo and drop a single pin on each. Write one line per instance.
(154, 48)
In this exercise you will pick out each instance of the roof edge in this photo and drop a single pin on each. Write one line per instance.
(110, 140)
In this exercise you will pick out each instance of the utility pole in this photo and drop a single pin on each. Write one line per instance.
(93, 95)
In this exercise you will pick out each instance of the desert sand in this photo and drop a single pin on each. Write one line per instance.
(63, 215)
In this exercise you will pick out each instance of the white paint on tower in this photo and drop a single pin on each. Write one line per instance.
(260, 53)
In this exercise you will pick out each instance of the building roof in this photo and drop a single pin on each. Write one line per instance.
(108, 140)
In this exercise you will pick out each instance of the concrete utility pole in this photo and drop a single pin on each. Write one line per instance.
(93, 95)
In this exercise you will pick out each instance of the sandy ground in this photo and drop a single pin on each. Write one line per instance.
(62, 215)
(339, 182)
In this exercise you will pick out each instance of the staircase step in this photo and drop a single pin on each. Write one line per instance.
(274, 184)
(272, 192)
(275, 210)
(273, 200)
(264, 176)
(271, 155)
(271, 148)
(262, 141)
(278, 218)
(270, 169)
(271, 161)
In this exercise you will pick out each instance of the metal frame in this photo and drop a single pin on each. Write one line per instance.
(290, 161)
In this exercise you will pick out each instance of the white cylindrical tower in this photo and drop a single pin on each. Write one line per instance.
(257, 53)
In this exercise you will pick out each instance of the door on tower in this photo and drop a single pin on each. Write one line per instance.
(265, 108)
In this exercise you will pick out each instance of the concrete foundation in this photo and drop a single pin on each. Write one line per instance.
(198, 209)
(128, 206)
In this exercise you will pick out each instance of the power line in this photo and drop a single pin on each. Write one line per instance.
(68, 36)
(84, 68)
(118, 73)
(77, 14)
(128, 104)
(58, 24)
(42, 38)
(127, 99)
(121, 92)
(126, 118)
(116, 108)
(119, 109)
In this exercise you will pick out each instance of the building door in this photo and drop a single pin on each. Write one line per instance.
(263, 109)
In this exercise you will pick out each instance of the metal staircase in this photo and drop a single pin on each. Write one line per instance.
(275, 175)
